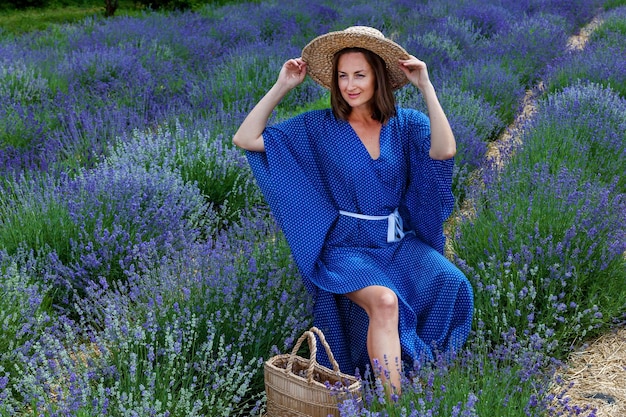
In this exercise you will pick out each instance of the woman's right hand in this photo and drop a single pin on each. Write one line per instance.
(292, 73)
(249, 136)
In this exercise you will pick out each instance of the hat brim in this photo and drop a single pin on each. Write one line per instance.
(318, 55)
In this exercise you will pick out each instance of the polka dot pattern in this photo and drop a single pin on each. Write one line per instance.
(313, 167)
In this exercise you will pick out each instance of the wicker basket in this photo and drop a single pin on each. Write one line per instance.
(295, 386)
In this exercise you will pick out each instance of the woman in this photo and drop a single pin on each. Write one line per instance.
(361, 192)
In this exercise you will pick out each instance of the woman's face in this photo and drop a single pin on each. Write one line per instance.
(357, 81)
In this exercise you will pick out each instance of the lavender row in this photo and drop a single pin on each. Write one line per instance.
(139, 290)
(69, 92)
(597, 63)
(546, 243)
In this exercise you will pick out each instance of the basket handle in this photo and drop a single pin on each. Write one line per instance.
(310, 334)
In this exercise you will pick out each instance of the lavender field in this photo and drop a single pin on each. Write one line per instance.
(142, 274)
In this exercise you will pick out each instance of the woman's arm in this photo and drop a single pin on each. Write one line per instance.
(249, 136)
(442, 142)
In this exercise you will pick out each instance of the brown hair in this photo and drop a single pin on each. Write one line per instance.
(383, 102)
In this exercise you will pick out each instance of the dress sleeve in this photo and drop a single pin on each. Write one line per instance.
(288, 175)
(428, 199)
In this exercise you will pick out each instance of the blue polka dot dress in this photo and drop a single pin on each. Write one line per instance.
(313, 169)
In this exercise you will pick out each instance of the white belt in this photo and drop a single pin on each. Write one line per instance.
(395, 231)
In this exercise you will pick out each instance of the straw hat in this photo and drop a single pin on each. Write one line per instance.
(318, 54)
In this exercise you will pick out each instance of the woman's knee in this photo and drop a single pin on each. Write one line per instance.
(380, 303)
(384, 305)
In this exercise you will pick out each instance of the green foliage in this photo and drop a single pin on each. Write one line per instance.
(488, 381)
(612, 30)
(184, 4)
(25, 311)
(22, 21)
(284, 112)
(23, 4)
(612, 4)
(33, 217)
(167, 4)
(566, 133)
(500, 92)
(110, 7)
(17, 21)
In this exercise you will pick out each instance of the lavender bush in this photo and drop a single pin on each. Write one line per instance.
(488, 19)
(469, 108)
(94, 224)
(582, 127)
(121, 207)
(541, 37)
(34, 218)
(596, 63)
(184, 335)
(533, 255)
(527, 265)
(612, 27)
(22, 90)
(444, 43)
(220, 172)
(25, 313)
(491, 79)
(474, 121)
(21, 84)
(509, 384)
(142, 274)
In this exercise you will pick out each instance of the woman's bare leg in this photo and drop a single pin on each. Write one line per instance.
(383, 339)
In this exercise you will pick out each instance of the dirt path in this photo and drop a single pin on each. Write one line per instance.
(597, 375)
(512, 135)
(578, 42)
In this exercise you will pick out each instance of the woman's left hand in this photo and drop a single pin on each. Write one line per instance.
(442, 142)
(416, 71)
